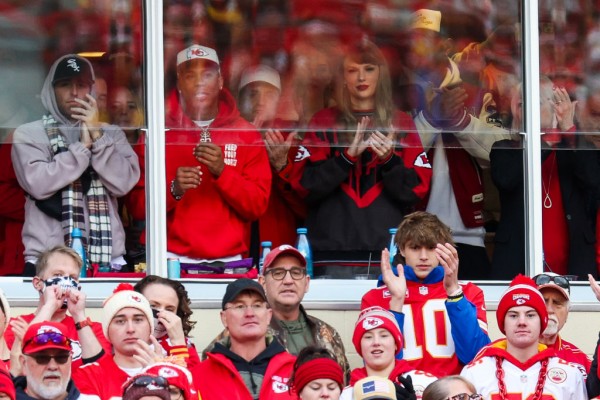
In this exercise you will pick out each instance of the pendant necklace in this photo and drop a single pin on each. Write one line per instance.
(205, 135)
(547, 200)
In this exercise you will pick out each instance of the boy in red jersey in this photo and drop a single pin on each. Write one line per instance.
(443, 321)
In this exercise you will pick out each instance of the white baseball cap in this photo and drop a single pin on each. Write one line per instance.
(196, 51)
(260, 73)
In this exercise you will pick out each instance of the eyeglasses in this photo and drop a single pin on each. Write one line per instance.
(561, 281)
(466, 396)
(150, 382)
(44, 359)
(279, 274)
(241, 308)
(54, 337)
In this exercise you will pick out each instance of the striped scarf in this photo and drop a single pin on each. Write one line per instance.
(99, 248)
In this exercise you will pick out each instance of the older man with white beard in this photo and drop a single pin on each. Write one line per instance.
(46, 362)
(556, 291)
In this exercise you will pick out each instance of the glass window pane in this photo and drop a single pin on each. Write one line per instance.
(72, 108)
(570, 179)
(364, 111)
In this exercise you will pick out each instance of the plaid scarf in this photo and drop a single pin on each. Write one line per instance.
(99, 248)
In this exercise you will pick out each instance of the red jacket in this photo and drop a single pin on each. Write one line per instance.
(217, 378)
(101, 380)
(213, 220)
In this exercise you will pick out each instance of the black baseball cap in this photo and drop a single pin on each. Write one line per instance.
(241, 285)
(73, 66)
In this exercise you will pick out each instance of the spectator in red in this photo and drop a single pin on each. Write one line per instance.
(128, 325)
(259, 94)
(57, 282)
(445, 321)
(218, 177)
(364, 168)
(569, 183)
(252, 365)
(172, 316)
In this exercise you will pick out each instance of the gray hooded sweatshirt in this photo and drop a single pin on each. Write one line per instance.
(41, 173)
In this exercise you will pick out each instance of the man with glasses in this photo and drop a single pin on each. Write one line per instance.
(285, 282)
(519, 364)
(46, 361)
(250, 364)
(57, 282)
(556, 292)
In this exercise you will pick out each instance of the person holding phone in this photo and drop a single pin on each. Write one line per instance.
(364, 167)
(73, 167)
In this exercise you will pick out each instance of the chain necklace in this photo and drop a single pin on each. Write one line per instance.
(539, 387)
(547, 200)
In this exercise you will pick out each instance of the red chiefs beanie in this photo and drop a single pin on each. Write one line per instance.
(373, 318)
(522, 292)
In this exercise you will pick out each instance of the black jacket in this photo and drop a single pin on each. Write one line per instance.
(579, 179)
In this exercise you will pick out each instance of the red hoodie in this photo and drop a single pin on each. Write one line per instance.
(211, 221)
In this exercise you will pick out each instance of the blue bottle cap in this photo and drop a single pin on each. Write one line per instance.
(393, 230)
(76, 232)
(265, 244)
(301, 230)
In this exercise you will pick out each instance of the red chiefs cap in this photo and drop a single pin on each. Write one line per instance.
(284, 250)
(46, 335)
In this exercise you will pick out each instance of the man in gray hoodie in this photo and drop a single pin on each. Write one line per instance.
(73, 167)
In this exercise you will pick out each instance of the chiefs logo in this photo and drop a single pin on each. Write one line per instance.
(135, 298)
(521, 301)
(196, 52)
(557, 375)
(301, 154)
(372, 323)
(167, 372)
(279, 384)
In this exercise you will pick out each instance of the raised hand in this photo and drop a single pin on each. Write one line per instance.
(210, 155)
(448, 258)
(382, 144)
(173, 326)
(564, 108)
(395, 284)
(359, 144)
(278, 147)
(187, 178)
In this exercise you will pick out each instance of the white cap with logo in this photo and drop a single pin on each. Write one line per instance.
(426, 19)
(196, 51)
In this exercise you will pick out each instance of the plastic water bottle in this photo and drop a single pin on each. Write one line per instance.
(392, 248)
(266, 248)
(303, 247)
(77, 245)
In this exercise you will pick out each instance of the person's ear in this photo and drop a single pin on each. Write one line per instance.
(38, 283)
(223, 319)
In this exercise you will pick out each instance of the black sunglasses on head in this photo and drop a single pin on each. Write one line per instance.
(561, 281)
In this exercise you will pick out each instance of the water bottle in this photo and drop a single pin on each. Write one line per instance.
(173, 268)
(266, 248)
(303, 247)
(392, 248)
(77, 245)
